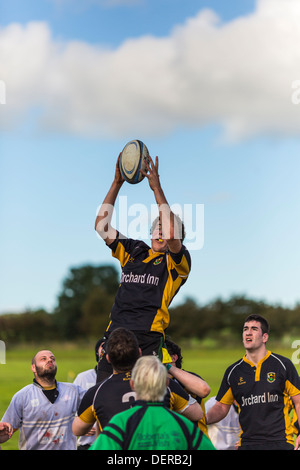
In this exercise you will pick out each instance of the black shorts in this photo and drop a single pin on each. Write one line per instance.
(151, 344)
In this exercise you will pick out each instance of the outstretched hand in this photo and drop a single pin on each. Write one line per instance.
(152, 175)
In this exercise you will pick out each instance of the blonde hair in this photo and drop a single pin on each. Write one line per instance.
(149, 378)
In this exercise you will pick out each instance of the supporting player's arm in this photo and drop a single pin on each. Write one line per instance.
(191, 382)
(81, 428)
(193, 412)
(103, 220)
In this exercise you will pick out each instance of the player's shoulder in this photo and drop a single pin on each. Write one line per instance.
(234, 367)
(86, 373)
(25, 390)
(86, 379)
(24, 393)
(69, 387)
(282, 361)
(106, 386)
(131, 243)
(236, 364)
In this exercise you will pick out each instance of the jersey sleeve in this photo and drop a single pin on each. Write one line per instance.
(179, 398)
(86, 410)
(122, 248)
(224, 394)
(14, 414)
(181, 262)
(292, 384)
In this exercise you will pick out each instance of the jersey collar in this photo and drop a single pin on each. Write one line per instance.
(258, 367)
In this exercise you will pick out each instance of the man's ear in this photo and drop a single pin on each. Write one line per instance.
(174, 357)
(131, 384)
(33, 368)
(265, 337)
(107, 358)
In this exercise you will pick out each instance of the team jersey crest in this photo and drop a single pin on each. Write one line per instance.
(271, 376)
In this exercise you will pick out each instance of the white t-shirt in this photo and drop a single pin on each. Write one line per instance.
(224, 434)
(44, 425)
(86, 380)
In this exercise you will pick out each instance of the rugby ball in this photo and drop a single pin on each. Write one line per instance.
(133, 159)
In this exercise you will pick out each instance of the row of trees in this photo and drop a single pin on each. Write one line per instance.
(86, 297)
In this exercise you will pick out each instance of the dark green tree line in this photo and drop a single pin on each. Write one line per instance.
(87, 295)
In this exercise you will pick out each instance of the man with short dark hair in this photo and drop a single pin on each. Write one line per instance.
(261, 383)
(114, 394)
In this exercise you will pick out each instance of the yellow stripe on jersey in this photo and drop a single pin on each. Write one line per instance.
(228, 398)
(289, 431)
(177, 403)
(121, 254)
(162, 318)
(182, 268)
(88, 416)
(290, 389)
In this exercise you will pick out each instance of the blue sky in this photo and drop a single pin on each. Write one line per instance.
(206, 85)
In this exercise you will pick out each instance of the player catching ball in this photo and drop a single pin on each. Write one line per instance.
(151, 275)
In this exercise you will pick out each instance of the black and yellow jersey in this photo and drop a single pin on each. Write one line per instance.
(102, 401)
(149, 282)
(262, 394)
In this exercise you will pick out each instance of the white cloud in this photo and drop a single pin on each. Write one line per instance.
(238, 75)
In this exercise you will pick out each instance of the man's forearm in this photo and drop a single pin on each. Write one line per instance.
(104, 216)
(217, 413)
(192, 383)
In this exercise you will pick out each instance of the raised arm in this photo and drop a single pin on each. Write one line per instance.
(170, 228)
(103, 220)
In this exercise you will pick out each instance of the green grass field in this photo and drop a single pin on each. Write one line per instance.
(71, 360)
